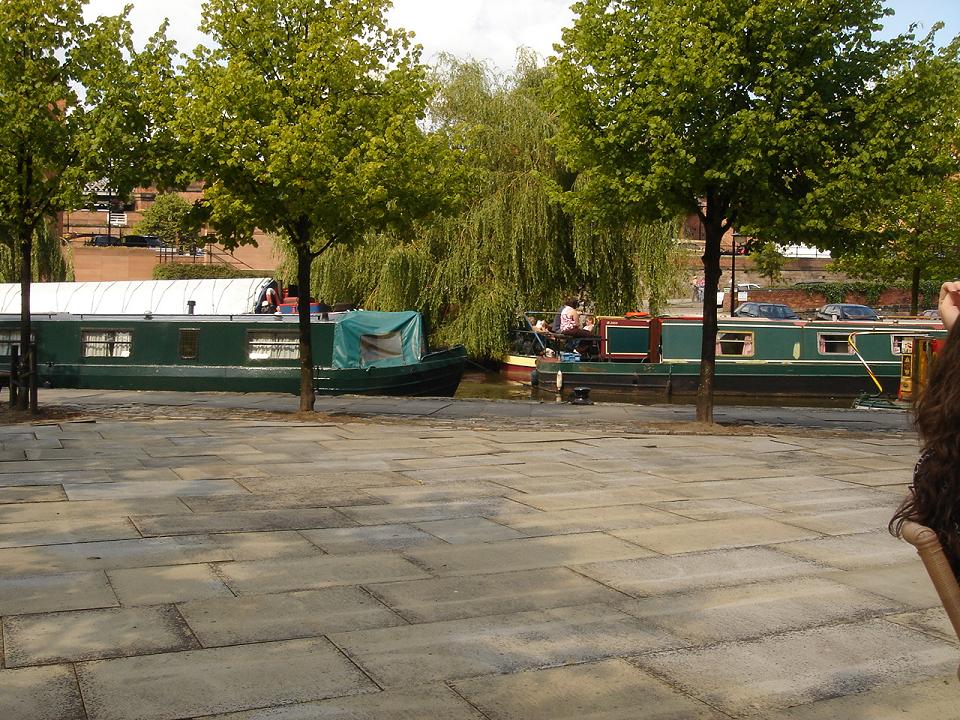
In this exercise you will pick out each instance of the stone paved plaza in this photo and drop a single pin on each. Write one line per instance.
(163, 564)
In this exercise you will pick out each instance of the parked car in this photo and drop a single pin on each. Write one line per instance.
(774, 311)
(933, 314)
(143, 241)
(846, 311)
(744, 287)
(103, 240)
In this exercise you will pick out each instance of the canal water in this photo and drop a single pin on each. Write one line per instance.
(491, 385)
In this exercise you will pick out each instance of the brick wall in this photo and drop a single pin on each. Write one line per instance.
(807, 300)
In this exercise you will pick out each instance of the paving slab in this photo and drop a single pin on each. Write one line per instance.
(596, 498)
(173, 583)
(308, 613)
(907, 583)
(180, 550)
(591, 519)
(462, 531)
(55, 477)
(853, 551)
(88, 509)
(369, 538)
(239, 521)
(420, 512)
(608, 690)
(452, 598)
(273, 576)
(935, 698)
(932, 622)
(421, 703)
(52, 593)
(311, 499)
(877, 478)
(713, 508)
(439, 492)
(93, 634)
(149, 488)
(713, 534)
(264, 545)
(847, 498)
(203, 682)
(40, 693)
(749, 611)
(660, 575)
(780, 671)
(843, 522)
(59, 532)
(401, 656)
(524, 554)
(31, 494)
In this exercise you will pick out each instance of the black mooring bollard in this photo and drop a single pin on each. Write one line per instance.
(581, 396)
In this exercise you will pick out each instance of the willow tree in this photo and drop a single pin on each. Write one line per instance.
(304, 120)
(51, 259)
(512, 246)
(72, 111)
(752, 114)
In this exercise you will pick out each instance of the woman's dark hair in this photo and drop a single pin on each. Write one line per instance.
(572, 302)
(934, 498)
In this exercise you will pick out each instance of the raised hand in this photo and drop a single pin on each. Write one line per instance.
(950, 302)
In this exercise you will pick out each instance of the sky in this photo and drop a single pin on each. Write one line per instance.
(490, 30)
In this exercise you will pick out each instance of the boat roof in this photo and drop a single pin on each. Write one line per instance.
(137, 297)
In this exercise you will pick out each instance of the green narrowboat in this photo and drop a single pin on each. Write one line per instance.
(356, 352)
(754, 356)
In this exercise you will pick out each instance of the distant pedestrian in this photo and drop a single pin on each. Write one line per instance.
(934, 496)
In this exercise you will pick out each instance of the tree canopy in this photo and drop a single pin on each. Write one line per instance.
(171, 218)
(304, 119)
(72, 111)
(511, 246)
(770, 116)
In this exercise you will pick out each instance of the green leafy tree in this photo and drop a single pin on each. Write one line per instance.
(911, 240)
(52, 260)
(171, 218)
(512, 246)
(765, 115)
(907, 234)
(768, 261)
(304, 121)
(71, 111)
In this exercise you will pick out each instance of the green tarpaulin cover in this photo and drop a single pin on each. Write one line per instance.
(378, 339)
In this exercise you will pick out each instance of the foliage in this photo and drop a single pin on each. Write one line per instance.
(838, 292)
(304, 120)
(52, 258)
(774, 117)
(171, 219)
(512, 247)
(200, 271)
(768, 261)
(72, 111)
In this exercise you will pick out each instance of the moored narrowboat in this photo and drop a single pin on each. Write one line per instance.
(754, 356)
(354, 353)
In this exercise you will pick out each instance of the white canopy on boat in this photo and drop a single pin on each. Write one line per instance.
(135, 297)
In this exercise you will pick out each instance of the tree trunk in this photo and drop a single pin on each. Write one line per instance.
(26, 254)
(915, 291)
(708, 348)
(304, 261)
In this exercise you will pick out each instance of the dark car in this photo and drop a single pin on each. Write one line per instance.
(143, 241)
(847, 311)
(773, 311)
(103, 240)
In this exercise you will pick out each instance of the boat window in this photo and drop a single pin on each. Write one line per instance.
(737, 344)
(105, 343)
(189, 343)
(263, 345)
(374, 348)
(901, 344)
(834, 344)
(11, 337)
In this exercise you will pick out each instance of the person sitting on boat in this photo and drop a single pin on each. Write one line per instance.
(570, 320)
(934, 496)
(271, 299)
